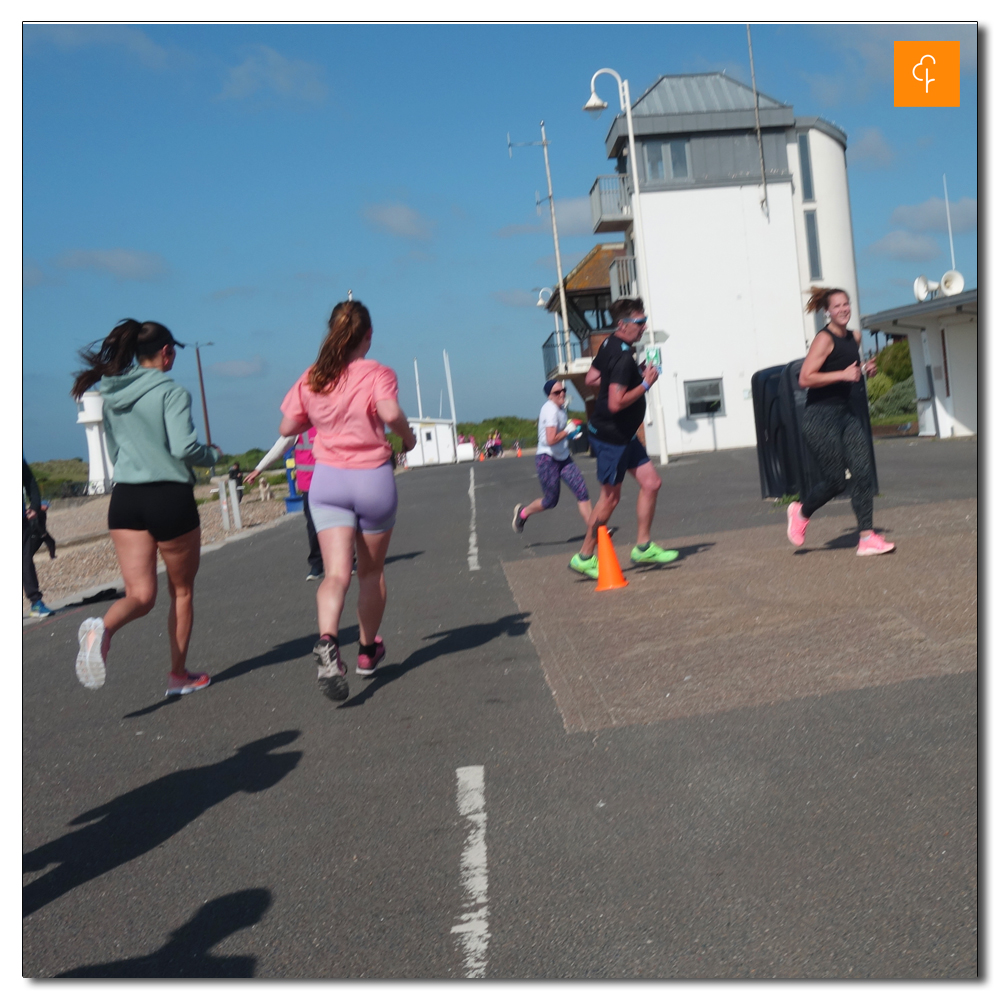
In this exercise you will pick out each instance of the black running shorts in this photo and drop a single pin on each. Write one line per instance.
(165, 510)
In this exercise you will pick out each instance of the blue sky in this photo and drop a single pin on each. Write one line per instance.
(234, 181)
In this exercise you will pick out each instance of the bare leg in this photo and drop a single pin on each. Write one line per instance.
(645, 507)
(586, 510)
(372, 550)
(136, 554)
(604, 508)
(337, 545)
(535, 507)
(181, 556)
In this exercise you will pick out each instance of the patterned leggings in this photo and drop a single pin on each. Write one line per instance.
(838, 440)
(550, 470)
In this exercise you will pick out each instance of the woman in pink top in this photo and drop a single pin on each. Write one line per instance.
(352, 496)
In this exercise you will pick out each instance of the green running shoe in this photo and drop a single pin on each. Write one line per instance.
(588, 567)
(653, 554)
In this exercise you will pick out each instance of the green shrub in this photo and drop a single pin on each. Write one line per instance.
(54, 475)
(878, 386)
(895, 362)
(900, 399)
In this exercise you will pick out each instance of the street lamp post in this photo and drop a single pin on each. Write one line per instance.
(201, 385)
(595, 106)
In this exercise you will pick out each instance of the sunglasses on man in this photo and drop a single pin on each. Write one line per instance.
(638, 321)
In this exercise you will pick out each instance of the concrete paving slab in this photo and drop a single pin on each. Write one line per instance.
(742, 619)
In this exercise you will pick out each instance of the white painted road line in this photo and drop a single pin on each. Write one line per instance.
(473, 924)
(473, 539)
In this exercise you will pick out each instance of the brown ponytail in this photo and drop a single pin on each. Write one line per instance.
(819, 298)
(119, 349)
(349, 323)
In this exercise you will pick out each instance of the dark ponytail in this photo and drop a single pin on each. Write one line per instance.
(117, 353)
(819, 298)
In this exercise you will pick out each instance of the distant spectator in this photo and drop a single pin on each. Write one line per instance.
(33, 536)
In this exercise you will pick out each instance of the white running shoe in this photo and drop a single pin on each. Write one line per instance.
(90, 660)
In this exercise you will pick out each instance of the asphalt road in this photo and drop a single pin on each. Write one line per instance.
(257, 829)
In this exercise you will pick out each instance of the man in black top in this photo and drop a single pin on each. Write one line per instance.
(621, 405)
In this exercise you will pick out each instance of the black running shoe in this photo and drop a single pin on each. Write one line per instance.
(332, 674)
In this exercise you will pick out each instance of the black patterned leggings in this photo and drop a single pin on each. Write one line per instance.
(838, 440)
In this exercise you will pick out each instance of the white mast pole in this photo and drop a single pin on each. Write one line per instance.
(420, 405)
(947, 212)
(451, 391)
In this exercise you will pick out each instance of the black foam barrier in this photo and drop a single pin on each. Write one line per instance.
(786, 465)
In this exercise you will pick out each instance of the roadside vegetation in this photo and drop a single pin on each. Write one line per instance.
(892, 396)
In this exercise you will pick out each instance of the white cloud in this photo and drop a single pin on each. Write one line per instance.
(120, 263)
(572, 219)
(930, 216)
(238, 368)
(516, 297)
(870, 150)
(901, 245)
(398, 219)
(76, 36)
(269, 71)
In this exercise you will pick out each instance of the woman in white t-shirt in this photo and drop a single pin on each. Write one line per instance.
(552, 460)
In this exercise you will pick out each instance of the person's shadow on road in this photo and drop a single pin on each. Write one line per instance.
(284, 652)
(455, 640)
(186, 953)
(136, 822)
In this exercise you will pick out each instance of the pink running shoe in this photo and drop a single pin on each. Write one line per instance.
(874, 545)
(187, 685)
(797, 524)
(367, 664)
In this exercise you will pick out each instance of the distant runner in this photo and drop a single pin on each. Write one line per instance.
(618, 415)
(552, 460)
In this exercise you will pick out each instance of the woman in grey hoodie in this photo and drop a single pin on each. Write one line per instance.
(152, 445)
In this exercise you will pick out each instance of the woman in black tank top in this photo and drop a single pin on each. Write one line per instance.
(835, 436)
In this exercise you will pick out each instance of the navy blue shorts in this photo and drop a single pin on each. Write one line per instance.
(614, 460)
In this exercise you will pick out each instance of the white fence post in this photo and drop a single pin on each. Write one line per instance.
(220, 482)
(234, 497)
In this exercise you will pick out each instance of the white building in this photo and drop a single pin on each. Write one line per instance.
(943, 336)
(436, 443)
(730, 254)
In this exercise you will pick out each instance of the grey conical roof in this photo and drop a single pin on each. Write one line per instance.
(697, 93)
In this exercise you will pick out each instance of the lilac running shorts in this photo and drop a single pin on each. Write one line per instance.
(362, 499)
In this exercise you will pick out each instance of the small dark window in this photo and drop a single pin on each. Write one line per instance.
(704, 396)
(812, 242)
(428, 435)
(805, 165)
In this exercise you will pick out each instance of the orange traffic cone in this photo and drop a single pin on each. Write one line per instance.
(609, 573)
(482, 457)
(518, 449)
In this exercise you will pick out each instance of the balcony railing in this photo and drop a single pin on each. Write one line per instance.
(623, 278)
(611, 203)
(554, 352)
